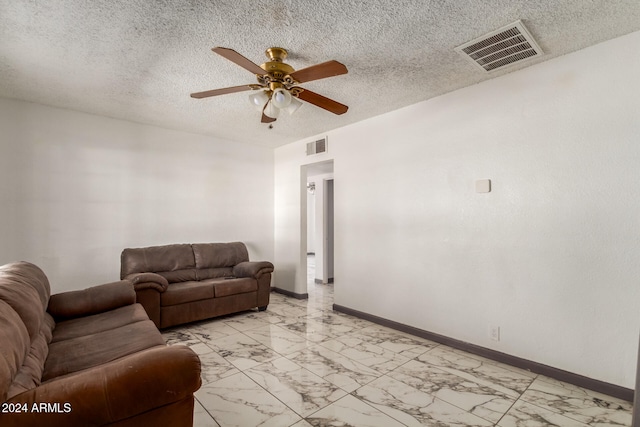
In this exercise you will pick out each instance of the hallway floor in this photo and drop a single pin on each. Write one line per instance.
(301, 364)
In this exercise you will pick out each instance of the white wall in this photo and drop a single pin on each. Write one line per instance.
(311, 221)
(76, 189)
(550, 255)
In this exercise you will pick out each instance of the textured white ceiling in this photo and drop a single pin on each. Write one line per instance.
(139, 60)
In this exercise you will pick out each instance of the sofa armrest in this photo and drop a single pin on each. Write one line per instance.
(93, 300)
(253, 269)
(143, 281)
(111, 392)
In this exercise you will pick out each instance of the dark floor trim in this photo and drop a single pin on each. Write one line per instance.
(538, 368)
(289, 293)
(320, 282)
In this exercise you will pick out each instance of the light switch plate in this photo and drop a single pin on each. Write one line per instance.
(483, 186)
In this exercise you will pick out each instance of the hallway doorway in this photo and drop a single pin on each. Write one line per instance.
(320, 222)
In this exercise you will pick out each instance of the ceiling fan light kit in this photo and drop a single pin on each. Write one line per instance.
(281, 98)
(293, 106)
(259, 99)
(277, 84)
(271, 110)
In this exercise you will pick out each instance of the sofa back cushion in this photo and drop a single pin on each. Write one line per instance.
(15, 346)
(24, 295)
(30, 373)
(156, 259)
(216, 255)
(26, 289)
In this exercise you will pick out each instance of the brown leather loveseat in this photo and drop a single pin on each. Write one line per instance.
(182, 283)
(87, 358)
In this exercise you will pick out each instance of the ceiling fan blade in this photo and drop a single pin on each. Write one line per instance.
(238, 59)
(223, 91)
(265, 118)
(322, 102)
(319, 71)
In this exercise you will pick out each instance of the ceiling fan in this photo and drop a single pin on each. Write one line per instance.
(277, 88)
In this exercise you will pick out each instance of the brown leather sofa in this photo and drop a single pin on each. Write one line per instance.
(182, 283)
(87, 358)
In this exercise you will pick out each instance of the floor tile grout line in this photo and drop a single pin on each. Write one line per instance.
(207, 411)
(510, 407)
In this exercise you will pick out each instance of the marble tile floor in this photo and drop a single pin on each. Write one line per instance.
(301, 364)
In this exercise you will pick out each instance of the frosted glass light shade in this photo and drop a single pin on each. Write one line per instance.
(281, 98)
(293, 106)
(258, 99)
(272, 111)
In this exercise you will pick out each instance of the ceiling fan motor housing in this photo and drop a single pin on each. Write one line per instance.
(276, 69)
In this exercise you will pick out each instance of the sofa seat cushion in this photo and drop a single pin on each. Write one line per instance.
(181, 293)
(96, 323)
(77, 354)
(227, 287)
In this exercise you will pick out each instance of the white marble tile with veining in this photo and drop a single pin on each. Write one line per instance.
(336, 318)
(242, 351)
(239, 401)
(201, 417)
(299, 388)
(288, 309)
(524, 414)
(368, 354)
(215, 367)
(251, 320)
(478, 371)
(398, 342)
(350, 411)
(308, 329)
(579, 404)
(484, 400)
(201, 348)
(180, 335)
(414, 407)
(331, 324)
(574, 389)
(211, 330)
(278, 339)
(334, 367)
(521, 371)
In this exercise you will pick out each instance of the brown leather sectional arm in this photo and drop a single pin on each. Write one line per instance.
(94, 300)
(110, 393)
(143, 281)
(253, 269)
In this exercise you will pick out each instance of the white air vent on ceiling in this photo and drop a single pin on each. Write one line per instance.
(315, 147)
(509, 45)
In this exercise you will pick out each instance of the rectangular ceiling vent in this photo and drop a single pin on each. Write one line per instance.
(506, 46)
(317, 147)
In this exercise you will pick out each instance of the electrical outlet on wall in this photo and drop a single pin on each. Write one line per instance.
(494, 332)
